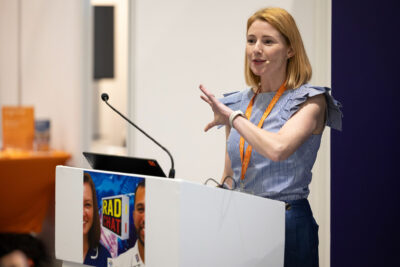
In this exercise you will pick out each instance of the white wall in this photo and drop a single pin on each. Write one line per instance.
(8, 52)
(56, 66)
(8, 55)
(178, 44)
(320, 196)
(116, 87)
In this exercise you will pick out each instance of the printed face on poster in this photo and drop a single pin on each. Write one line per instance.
(113, 219)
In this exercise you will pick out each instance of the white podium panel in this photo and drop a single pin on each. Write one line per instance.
(187, 224)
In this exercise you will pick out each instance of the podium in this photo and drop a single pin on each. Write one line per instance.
(187, 224)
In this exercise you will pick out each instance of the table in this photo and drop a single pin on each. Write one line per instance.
(27, 188)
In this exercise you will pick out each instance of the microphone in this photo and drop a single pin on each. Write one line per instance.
(105, 97)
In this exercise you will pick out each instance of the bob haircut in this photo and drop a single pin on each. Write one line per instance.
(298, 69)
(94, 232)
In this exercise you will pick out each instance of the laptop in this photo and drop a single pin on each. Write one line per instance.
(106, 162)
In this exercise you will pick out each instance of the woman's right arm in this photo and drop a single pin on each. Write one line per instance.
(227, 167)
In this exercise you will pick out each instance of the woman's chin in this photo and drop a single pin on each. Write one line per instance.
(85, 230)
(257, 71)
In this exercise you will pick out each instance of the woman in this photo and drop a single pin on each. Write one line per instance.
(93, 252)
(274, 128)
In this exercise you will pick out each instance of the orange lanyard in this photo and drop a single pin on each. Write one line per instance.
(245, 157)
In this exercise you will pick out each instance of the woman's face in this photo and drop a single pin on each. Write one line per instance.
(87, 208)
(266, 50)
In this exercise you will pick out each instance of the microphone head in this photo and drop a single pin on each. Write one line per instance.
(104, 96)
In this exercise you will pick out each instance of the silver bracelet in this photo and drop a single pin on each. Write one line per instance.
(234, 115)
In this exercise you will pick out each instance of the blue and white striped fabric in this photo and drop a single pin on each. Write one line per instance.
(289, 179)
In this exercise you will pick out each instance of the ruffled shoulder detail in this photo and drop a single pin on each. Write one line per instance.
(300, 95)
(232, 100)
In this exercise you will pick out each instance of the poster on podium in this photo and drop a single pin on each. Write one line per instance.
(113, 219)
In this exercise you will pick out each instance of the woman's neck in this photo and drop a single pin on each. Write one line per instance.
(272, 82)
(85, 246)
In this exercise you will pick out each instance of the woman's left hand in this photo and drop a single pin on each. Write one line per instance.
(221, 112)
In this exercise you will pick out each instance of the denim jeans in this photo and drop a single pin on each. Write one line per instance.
(301, 235)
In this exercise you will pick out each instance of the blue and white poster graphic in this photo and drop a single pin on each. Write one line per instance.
(113, 219)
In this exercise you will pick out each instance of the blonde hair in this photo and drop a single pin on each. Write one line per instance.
(298, 69)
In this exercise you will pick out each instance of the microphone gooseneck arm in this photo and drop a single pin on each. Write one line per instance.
(171, 173)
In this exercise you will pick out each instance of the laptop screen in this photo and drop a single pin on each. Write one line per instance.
(114, 163)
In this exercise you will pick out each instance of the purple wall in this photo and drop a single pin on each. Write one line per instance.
(366, 155)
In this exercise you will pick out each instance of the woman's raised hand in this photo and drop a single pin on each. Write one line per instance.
(221, 112)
